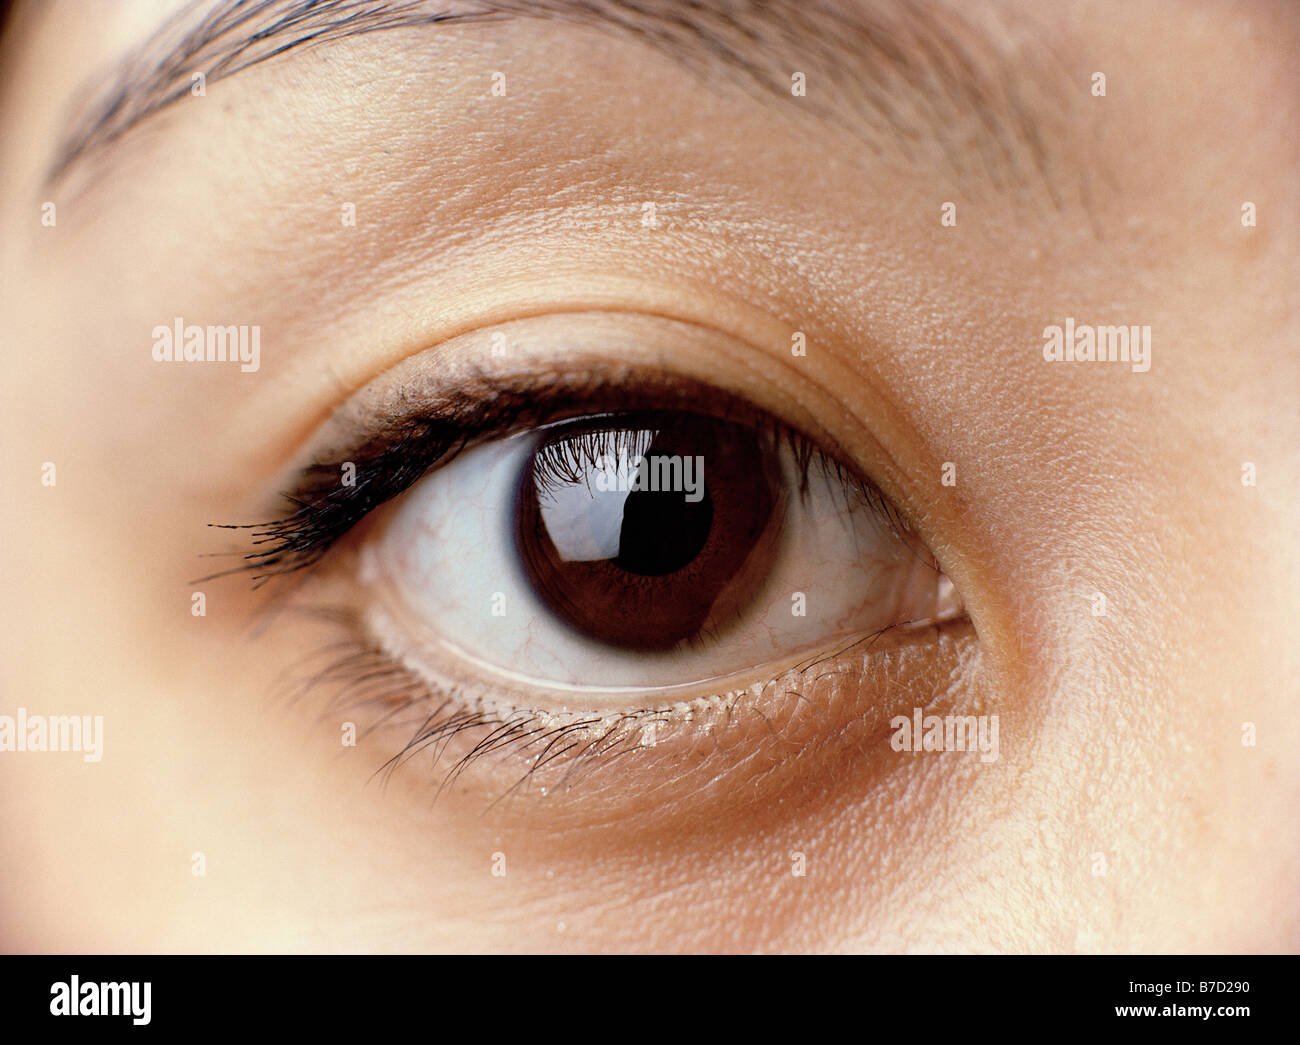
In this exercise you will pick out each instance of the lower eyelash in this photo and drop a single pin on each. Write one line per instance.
(363, 675)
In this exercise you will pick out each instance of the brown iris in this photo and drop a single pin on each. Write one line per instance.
(641, 531)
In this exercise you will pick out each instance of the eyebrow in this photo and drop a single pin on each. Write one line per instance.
(914, 77)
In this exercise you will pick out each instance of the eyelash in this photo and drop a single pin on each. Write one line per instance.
(401, 451)
(364, 675)
(406, 449)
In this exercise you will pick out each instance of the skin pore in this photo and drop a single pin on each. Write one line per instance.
(523, 213)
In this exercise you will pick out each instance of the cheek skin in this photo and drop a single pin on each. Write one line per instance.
(717, 818)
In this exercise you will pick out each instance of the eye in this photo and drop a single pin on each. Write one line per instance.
(623, 541)
(624, 560)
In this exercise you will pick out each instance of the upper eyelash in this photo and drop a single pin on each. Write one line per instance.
(405, 449)
(324, 509)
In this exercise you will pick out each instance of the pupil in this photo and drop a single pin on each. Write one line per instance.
(662, 531)
(636, 531)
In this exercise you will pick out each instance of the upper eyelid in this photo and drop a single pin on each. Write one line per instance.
(490, 407)
(401, 450)
(636, 343)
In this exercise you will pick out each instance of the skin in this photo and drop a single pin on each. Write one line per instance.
(1121, 735)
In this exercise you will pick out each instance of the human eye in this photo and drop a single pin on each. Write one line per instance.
(544, 561)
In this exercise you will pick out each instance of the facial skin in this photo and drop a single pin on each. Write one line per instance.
(1120, 734)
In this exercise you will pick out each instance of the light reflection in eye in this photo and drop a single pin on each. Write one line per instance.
(512, 561)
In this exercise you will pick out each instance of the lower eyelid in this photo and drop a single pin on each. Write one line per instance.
(828, 714)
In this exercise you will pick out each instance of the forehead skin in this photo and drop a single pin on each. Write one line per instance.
(1121, 735)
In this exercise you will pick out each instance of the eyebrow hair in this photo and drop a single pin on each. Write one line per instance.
(916, 76)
